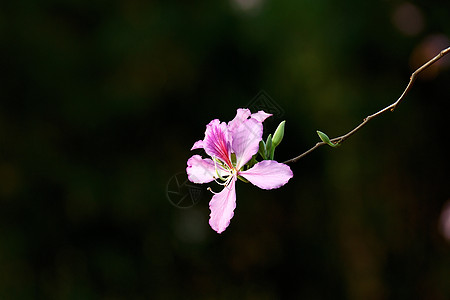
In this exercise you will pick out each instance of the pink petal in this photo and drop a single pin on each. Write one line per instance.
(200, 170)
(222, 207)
(260, 116)
(198, 145)
(242, 114)
(217, 142)
(268, 174)
(246, 139)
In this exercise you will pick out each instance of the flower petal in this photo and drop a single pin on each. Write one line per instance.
(261, 115)
(246, 139)
(268, 174)
(200, 170)
(217, 142)
(242, 114)
(198, 145)
(222, 207)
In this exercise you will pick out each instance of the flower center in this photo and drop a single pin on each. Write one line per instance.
(230, 173)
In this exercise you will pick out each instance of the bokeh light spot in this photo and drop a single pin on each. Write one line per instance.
(427, 49)
(408, 19)
(247, 5)
(444, 221)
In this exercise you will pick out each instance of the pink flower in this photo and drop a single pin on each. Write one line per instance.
(230, 147)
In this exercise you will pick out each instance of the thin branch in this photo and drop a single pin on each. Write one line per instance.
(392, 107)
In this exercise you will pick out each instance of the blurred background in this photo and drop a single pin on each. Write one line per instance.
(101, 102)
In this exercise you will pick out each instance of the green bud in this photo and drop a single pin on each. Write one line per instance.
(268, 146)
(278, 135)
(326, 139)
(262, 149)
(272, 153)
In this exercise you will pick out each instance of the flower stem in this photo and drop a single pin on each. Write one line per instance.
(392, 107)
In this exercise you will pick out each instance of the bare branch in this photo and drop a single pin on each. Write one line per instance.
(392, 107)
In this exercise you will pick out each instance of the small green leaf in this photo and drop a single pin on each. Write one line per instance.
(278, 135)
(326, 139)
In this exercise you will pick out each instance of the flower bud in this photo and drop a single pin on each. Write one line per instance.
(262, 149)
(326, 139)
(278, 135)
(269, 147)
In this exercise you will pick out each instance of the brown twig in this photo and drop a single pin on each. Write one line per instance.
(392, 107)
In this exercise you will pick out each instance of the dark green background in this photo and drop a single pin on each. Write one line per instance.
(102, 100)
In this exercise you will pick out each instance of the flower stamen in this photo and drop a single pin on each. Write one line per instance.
(217, 171)
(221, 183)
(209, 189)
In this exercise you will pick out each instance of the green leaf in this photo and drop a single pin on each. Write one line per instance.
(278, 135)
(326, 139)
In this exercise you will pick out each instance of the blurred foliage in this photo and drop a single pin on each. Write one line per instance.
(101, 102)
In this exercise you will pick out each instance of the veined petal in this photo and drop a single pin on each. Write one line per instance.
(260, 116)
(202, 170)
(268, 174)
(246, 139)
(222, 207)
(242, 114)
(216, 142)
(198, 145)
